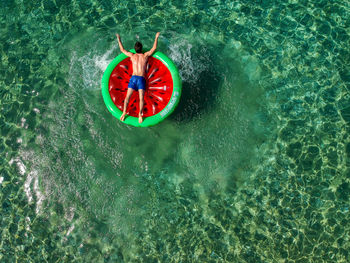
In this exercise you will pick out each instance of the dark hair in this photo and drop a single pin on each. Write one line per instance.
(138, 47)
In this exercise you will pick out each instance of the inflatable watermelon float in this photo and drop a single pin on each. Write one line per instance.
(162, 93)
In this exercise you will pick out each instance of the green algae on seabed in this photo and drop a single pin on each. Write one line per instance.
(253, 166)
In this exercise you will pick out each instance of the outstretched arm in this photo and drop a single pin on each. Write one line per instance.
(149, 53)
(129, 54)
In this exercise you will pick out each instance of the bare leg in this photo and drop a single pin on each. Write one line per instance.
(141, 95)
(126, 102)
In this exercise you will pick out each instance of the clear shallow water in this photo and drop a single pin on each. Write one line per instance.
(251, 167)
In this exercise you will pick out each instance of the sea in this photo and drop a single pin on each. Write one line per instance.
(252, 166)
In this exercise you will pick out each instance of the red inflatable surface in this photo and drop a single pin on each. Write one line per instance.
(159, 87)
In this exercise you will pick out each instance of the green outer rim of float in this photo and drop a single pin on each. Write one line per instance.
(160, 116)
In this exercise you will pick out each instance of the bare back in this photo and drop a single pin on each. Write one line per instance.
(139, 62)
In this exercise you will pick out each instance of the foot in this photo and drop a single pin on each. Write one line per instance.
(122, 118)
(140, 118)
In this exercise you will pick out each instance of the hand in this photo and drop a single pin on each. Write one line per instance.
(118, 36)
(157, 35)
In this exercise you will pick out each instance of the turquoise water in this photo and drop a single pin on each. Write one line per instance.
(253, 166)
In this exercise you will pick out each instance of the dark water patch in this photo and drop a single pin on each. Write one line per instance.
(200, 96)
